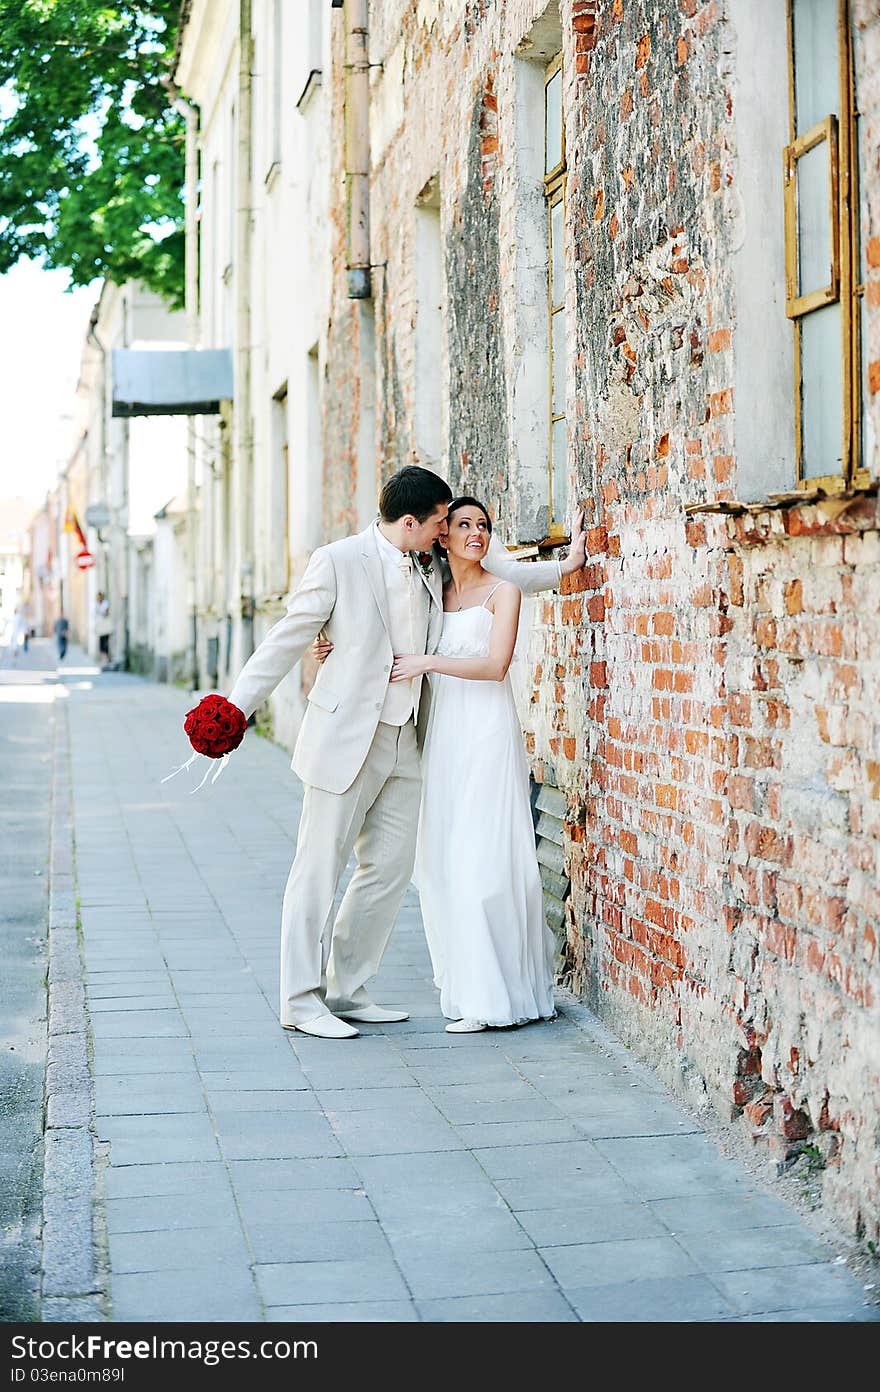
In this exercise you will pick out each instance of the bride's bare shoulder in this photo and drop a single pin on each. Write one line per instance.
(505, 593)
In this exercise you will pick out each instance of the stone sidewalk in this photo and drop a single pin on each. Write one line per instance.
(536, 1174)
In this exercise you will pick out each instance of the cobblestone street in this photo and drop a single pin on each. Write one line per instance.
(534, 1174)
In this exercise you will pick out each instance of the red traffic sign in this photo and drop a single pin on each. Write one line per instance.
(84, 559)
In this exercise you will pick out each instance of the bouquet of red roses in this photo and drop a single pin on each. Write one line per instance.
(215, 726)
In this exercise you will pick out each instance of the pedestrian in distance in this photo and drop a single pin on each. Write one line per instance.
(103, 627)
(62, 628)
(19, 633)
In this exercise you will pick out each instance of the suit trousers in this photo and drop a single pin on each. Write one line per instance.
(325, 962)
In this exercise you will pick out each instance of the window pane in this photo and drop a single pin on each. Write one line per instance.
(816, 78)
(814, 219)
(557, 248)
(560, 471)
(821, 391)
(553, 122)
(558, 323)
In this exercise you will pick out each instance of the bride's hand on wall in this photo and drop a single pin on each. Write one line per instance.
(577, 551)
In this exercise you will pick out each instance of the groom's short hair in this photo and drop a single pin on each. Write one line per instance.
(413, 491)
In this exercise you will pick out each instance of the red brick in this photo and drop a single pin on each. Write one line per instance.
(792, 1124)
(741, 792)
(739, 708)
(794, 597)
(721, 403)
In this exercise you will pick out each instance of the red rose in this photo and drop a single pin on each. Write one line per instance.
(215, 726)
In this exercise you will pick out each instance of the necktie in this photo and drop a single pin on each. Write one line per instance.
(406, 569)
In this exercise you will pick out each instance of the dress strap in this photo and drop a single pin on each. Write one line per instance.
(490, 594)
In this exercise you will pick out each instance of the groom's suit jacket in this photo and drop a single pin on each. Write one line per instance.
(343, 593)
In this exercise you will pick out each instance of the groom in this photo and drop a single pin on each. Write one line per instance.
(356, 753)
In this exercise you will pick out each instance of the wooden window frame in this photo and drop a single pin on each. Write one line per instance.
(841, 133)
(554, 193)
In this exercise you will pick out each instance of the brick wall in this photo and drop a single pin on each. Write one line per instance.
(702, 698)
(703, 692)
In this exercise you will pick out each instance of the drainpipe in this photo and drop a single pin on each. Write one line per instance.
(106, 546)
(357, 149)
(191, 303)
(244, 441)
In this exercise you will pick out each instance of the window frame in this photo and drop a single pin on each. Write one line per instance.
(555, 185)
(841, 132)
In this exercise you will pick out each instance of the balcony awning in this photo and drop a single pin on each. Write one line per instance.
(171, 381)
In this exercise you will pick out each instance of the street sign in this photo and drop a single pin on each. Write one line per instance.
(84, 559)
(98, 515)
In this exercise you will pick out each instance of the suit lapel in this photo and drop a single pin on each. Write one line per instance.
(372, 562)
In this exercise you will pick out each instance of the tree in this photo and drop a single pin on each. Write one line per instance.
(91, 151)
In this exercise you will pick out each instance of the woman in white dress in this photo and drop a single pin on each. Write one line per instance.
(476, 864)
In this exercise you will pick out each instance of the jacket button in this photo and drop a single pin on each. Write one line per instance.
(378, 705)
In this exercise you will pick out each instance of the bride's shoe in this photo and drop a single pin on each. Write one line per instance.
(465, 1027)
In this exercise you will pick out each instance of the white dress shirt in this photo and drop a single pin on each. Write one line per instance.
(408, 617)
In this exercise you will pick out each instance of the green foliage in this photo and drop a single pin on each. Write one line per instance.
(91, 152)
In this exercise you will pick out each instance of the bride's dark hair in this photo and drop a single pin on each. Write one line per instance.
(461, 502)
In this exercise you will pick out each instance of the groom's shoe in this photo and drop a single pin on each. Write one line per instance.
(374, 1015)
(325, 1026)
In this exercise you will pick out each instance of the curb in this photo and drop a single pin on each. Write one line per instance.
(74, 1285)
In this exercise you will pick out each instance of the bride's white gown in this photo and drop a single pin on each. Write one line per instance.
(476, 865)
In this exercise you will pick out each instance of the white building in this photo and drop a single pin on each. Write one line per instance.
(265, 284)
(15, 516)
(125, 469)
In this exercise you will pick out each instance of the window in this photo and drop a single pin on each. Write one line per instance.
(824, 280)
(554, 197)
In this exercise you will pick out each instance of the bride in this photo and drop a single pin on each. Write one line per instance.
(476, 865)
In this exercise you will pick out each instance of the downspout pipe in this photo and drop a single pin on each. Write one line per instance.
(357, 150)
(190, 114)
(92, 336)
(244, 440)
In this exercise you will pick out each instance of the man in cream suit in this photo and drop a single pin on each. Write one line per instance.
(357, 753)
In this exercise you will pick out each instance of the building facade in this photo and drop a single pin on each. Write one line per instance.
(15, 517)
(129, 470)
(626, 256)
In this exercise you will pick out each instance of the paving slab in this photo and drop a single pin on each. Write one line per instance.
(180, 1249)
(316, 1282)
(369, 1312)
(668, 1300)
(608, 1263)
(569, 1225)
(185, 1297)
(466, 1271)
(544, 1307)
